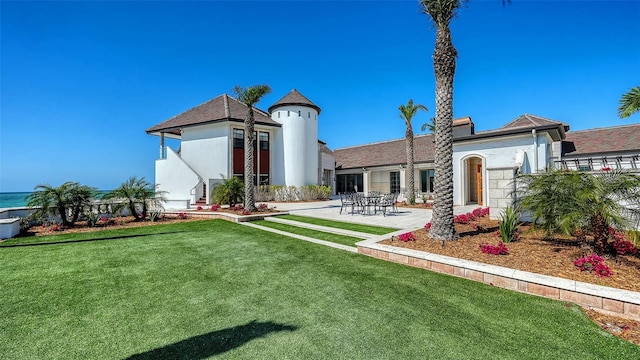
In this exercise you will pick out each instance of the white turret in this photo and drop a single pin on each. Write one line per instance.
(299, 151)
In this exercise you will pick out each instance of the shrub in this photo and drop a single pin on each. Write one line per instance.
(461, 219)
(199, 208)
(500, 249)
(230, 191)
(564, 200)
(407, 237)
(246, 212)
(181, 215)
(427, 225)
(92, 218)
(214, 207)
(509, 224)
(593, 263)
(155, 215)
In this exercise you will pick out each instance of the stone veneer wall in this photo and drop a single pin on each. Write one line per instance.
(601, 298)
(501, 185)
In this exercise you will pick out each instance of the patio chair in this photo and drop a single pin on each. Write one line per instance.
(346, 200)
(387, 201)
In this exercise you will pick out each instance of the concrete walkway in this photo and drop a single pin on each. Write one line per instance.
(406, 219)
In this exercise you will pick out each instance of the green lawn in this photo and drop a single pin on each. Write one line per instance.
(367, 229)
(205, 288)
(316, 234)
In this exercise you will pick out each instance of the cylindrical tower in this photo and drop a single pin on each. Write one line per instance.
(299, 119)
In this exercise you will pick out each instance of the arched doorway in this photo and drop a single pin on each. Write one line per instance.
(474, 180)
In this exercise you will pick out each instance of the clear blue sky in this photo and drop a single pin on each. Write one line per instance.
(81, 81)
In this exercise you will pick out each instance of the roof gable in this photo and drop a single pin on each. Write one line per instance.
(528, 120)
(220, 108)
(294, 97)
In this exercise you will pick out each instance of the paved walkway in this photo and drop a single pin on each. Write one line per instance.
(406, 218)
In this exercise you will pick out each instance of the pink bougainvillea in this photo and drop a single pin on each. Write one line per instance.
(500, 249)
(407, 237)
(593, 263)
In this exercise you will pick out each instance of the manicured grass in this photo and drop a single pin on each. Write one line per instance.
(205, 288)
(316, 234)
(367, 229)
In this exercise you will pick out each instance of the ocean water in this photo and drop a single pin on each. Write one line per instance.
(17, 199)
(13, 199)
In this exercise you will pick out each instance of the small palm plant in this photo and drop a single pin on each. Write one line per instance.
(571, 200)
(66, 201)
(137, 196)
(230, 191)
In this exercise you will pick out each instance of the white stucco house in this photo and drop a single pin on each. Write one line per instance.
(287, 149)
(485, 163)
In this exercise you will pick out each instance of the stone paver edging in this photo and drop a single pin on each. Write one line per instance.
(302, 237)
(602, 298)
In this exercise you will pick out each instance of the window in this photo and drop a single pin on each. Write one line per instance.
(426, 180)
(299, 113)
(309, 115)
(349, 183)
(394, 182)
(584, 168)
(264, 140)
(238, 138)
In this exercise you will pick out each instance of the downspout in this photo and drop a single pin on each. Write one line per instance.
(535, 150)
(162, 152)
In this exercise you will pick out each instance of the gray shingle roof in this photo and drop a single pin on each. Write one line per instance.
(221, 108)
(625, 138)
(528, 120)
(294, 97)
(391, 152)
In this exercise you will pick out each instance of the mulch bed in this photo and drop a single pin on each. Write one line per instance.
(533, 253)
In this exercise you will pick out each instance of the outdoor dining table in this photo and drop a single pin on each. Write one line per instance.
(371, 200)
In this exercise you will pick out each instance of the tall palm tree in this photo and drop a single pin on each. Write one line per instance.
(406, 113)
(629, 103)
(444, 66)
(250, 96)
(429, 126)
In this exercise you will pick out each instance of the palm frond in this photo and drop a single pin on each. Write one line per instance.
(629, 103)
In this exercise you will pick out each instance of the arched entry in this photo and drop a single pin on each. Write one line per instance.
(474, 180)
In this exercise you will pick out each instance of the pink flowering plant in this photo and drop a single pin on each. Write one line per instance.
(499, 249)
(199, 208)
(214, 207)
(181, 215)
(407, 237)
(593, 263)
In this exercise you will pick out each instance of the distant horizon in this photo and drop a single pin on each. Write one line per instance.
(82, 81)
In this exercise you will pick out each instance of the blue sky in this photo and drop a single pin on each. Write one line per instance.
(81, 81)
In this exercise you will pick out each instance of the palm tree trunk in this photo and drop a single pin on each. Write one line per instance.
(444, 65)
(249, 199)
(411, 197)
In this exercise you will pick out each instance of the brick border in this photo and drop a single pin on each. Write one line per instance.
(613, 301)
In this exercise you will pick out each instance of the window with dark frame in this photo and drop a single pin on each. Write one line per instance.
(238, 138)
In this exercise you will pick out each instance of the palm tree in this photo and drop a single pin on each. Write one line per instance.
(441, 12)
(429, 126)
(629, 103)
(406, 113)
(444, 65)
(569, 201)
(66, 201)
(137, 195)
(250, 96)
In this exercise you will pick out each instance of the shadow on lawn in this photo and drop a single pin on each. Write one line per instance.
(215, 342)
(116, 237)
